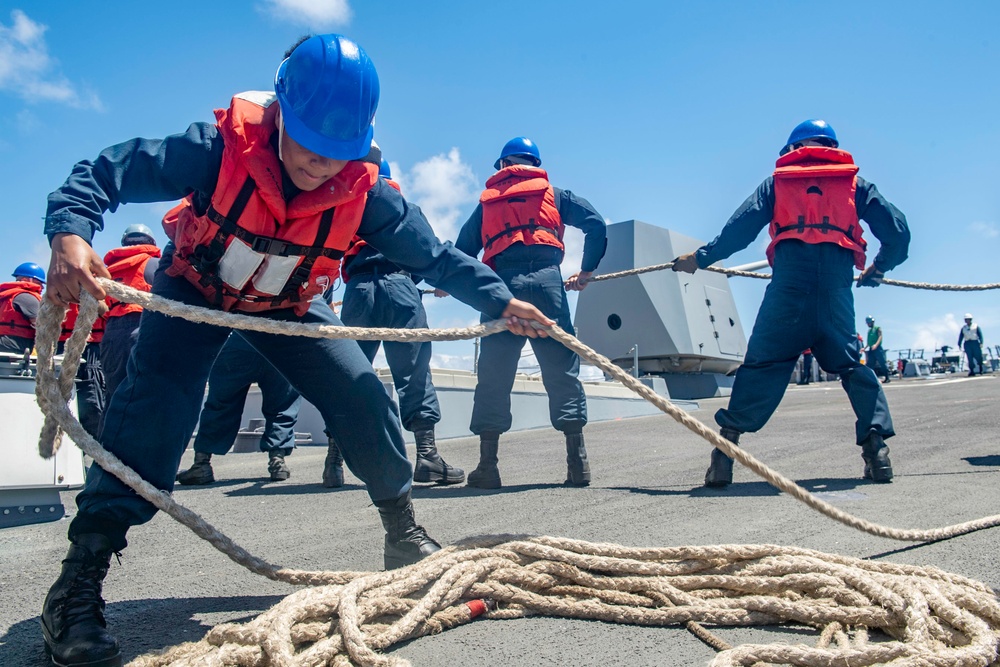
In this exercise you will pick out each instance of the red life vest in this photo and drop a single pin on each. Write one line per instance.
(814, 190)
(356, 243)
(519, 206)
(12, 322)
(73, 312)
(251, 251)
(128, 266)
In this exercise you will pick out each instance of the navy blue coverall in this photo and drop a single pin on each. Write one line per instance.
(153, 414)
(532, 274)
(380, 294)
(237, 367)
(120, 334)
(808, 304)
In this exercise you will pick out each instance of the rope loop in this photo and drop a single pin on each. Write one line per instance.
(347, 618)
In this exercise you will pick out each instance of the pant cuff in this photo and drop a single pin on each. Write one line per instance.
(83, 524)
(572, 428)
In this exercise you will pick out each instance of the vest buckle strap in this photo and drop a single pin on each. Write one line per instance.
(268, 246)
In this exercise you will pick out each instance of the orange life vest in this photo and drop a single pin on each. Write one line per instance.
(519, 206)
(814, 190)
(73, 312)
(12, 322)
(356, 243)
(252, 251)
(128, 266)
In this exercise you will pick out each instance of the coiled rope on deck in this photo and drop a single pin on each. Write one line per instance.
(53, 394)
(929, 616)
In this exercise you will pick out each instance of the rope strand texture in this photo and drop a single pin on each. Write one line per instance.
(767, 276)
(347, 618)
(930, 617)
(49, 396)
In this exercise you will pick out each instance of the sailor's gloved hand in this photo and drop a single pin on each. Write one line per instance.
(687, 263)
(870, 277)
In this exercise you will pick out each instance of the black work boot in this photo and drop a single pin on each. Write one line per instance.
(200, 471)
(430, 467)
(577, 466)
(874, 451)
(405, 541)
(277, 467)
(486, 475)
(333, 469)
(73, 625)
(720, 471)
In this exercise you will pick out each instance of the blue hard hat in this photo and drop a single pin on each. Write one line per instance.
(137, 235)
(328, 92)
(30, 270)
(521, 146)
(811, 129)
(384, 171)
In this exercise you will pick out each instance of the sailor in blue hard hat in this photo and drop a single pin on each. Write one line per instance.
(812, 205)
(19, 303)
(518, 226)
(273, 192)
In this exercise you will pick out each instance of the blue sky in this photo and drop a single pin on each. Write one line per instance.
(671, 113)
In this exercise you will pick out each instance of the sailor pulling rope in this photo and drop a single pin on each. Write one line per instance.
(958, 628)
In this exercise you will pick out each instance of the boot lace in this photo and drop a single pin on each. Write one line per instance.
(83, 601)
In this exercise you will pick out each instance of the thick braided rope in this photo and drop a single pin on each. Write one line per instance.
(767, 276)
(237, 321)
(165, 306)
(51, 434)
(53, 401)
(772, 477)
(356, 643)
(930, 617)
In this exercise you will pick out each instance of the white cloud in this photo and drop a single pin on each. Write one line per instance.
(311, 13)
(443, 187)
(936, 332)
(27, 69)
(986, 230)
(461, 362)
(573, 240)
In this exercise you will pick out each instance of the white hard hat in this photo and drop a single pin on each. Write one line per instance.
(968, 316)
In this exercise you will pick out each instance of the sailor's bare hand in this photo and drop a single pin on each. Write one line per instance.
(519, 314)
(687, 263)
(578, 281)
(73, 266)
(440, 293)
(870, 277)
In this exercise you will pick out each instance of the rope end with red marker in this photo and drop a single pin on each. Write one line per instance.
(479, 607)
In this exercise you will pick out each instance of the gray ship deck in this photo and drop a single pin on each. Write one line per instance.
(171, 586)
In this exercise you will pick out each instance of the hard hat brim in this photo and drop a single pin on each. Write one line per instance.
(496, 165)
